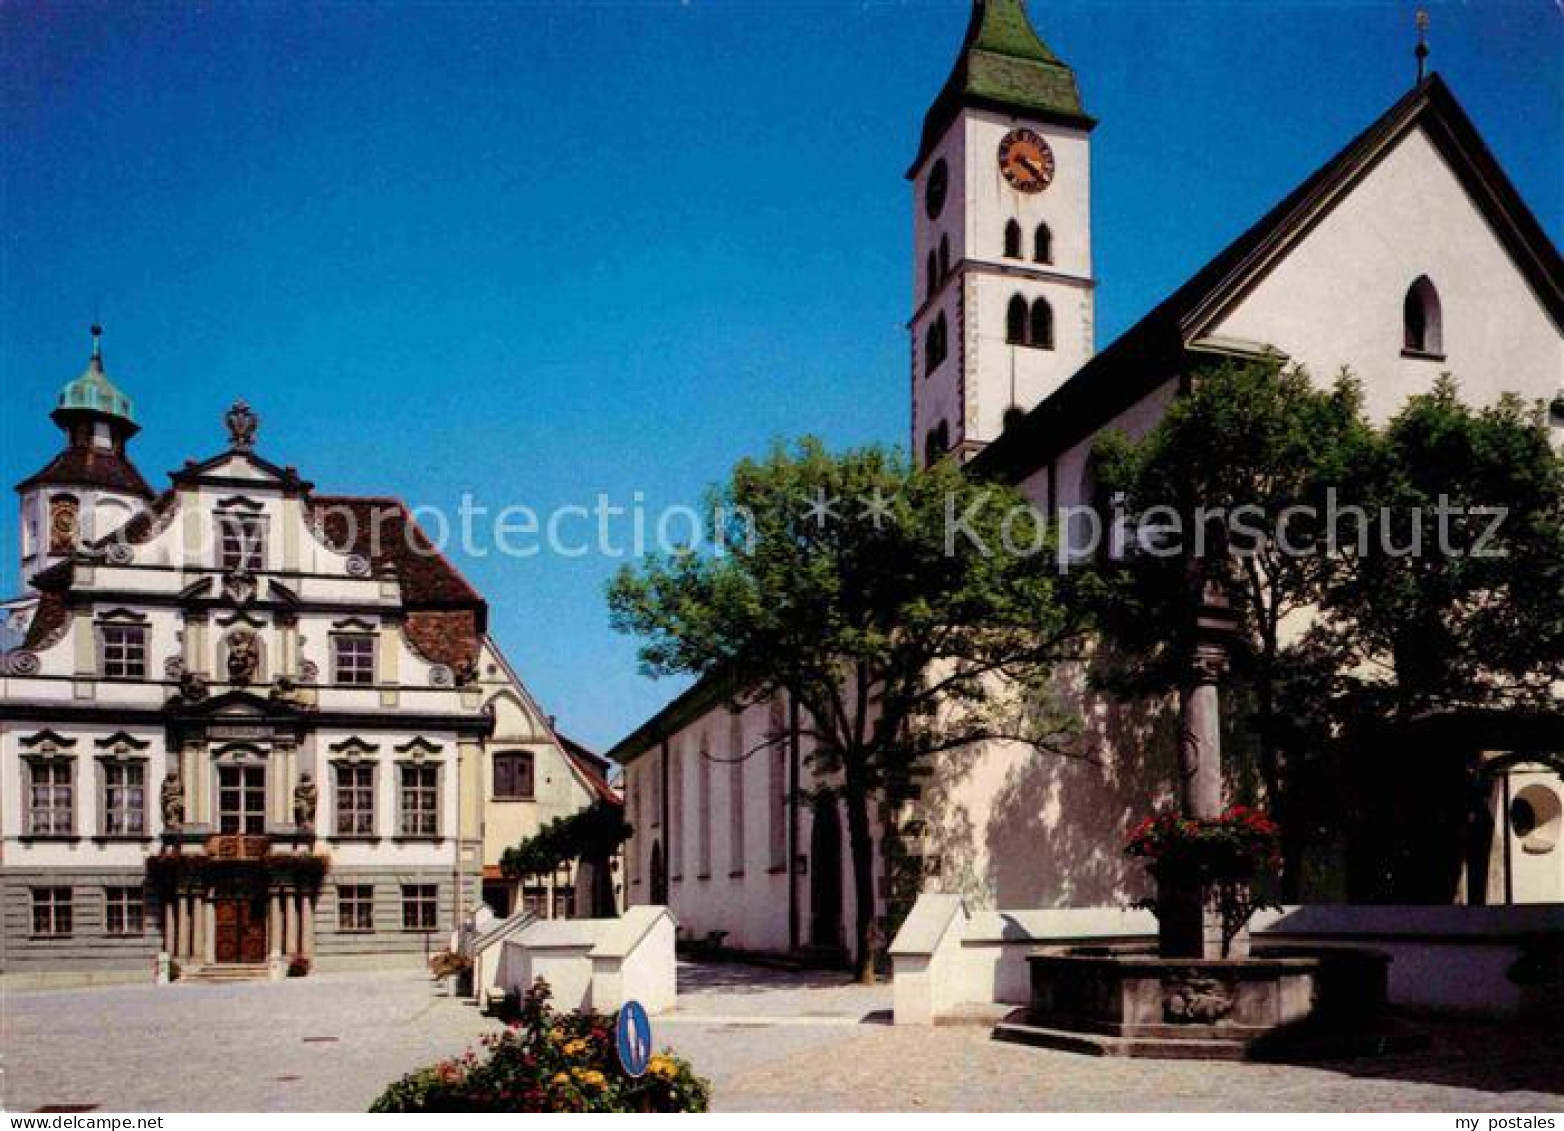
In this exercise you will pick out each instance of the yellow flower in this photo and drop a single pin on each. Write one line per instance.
(663, 1067)
(561, 1078)
(575, 1048)
(591, 1077)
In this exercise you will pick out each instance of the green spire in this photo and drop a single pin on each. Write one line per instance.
(1004, 65)
(93, 391)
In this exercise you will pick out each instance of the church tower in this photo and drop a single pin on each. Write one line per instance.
(1003, 287)
(91, 488)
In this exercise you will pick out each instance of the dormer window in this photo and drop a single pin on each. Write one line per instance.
(241, 542)
(353, 659)
(1422, 321)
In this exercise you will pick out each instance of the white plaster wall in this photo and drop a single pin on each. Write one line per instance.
(751, 906)
(1336, 298)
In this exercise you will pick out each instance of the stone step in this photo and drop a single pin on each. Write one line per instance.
(234, 972)
(1096, 1044)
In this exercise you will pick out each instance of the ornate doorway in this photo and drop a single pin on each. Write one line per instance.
(240, 929)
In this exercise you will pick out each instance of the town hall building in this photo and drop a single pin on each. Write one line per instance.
(1407, 255)
(247, 725)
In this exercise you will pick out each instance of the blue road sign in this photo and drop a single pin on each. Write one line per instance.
(633, 1037)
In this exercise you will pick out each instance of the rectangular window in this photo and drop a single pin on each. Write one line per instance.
(736, 797)
(241, 542)
(703, 812)
(241, 800)
(124, 651)
(418, 906)
(52, 912)
(513, 776)
(420, 800)
(50, 807)
(124, 798)
(355, 800)
(124, 911)
(353, 660)
(564, 904)
(675, 814)
(356, 907)
(776, 786)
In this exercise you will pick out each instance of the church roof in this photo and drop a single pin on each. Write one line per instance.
(1004, 65)
(1156, 348)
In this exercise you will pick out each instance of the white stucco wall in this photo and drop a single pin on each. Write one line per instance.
(1336, 298)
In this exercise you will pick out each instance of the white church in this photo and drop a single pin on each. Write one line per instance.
(1407, 255)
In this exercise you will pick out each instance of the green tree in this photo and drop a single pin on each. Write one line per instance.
(1446, 608)
(906, 612)
(1232, 486)
(1450, 591)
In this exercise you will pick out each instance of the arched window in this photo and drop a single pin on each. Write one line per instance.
(1015, 321)
(936, 443)
(944, 256)
(931, 277)
(1042, 335)
(1012, 240)
(936, 344)
(1422, 320)
(1043, 245)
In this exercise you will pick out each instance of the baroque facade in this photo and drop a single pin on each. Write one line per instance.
(243, 723)
(1407, 255)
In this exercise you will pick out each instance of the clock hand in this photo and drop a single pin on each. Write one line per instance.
(1031, 166)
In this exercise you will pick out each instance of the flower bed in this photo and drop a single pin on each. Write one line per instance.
(546, 1061)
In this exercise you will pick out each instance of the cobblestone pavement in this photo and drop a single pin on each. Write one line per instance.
(768, 1040)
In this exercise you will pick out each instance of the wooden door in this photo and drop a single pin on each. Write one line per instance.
(241, 929)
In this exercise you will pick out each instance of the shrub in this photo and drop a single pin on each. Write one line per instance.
(449, 964)
(546, 1061)
(298, 966)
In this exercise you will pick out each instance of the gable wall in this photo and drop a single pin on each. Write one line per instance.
(1336, 298)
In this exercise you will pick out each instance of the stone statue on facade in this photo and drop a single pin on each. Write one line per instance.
(244, 658)
(305, 796)
(172, 798)
(242, 425)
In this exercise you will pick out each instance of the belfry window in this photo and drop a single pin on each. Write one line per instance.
(936, 444)
(1042, 325)
(1422, 320)
(931, 277)
(1012, 240)
(944, 256)
(1043, 245)
(935, 344)
(1015, 321)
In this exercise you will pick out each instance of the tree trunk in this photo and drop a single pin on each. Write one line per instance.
(866, 937)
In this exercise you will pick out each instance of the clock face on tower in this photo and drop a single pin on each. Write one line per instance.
(1026, 161)
(934, 192)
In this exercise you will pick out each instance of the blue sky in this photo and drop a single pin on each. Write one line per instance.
(540, 251)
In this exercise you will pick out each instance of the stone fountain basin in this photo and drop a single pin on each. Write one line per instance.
(1148, 1005)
